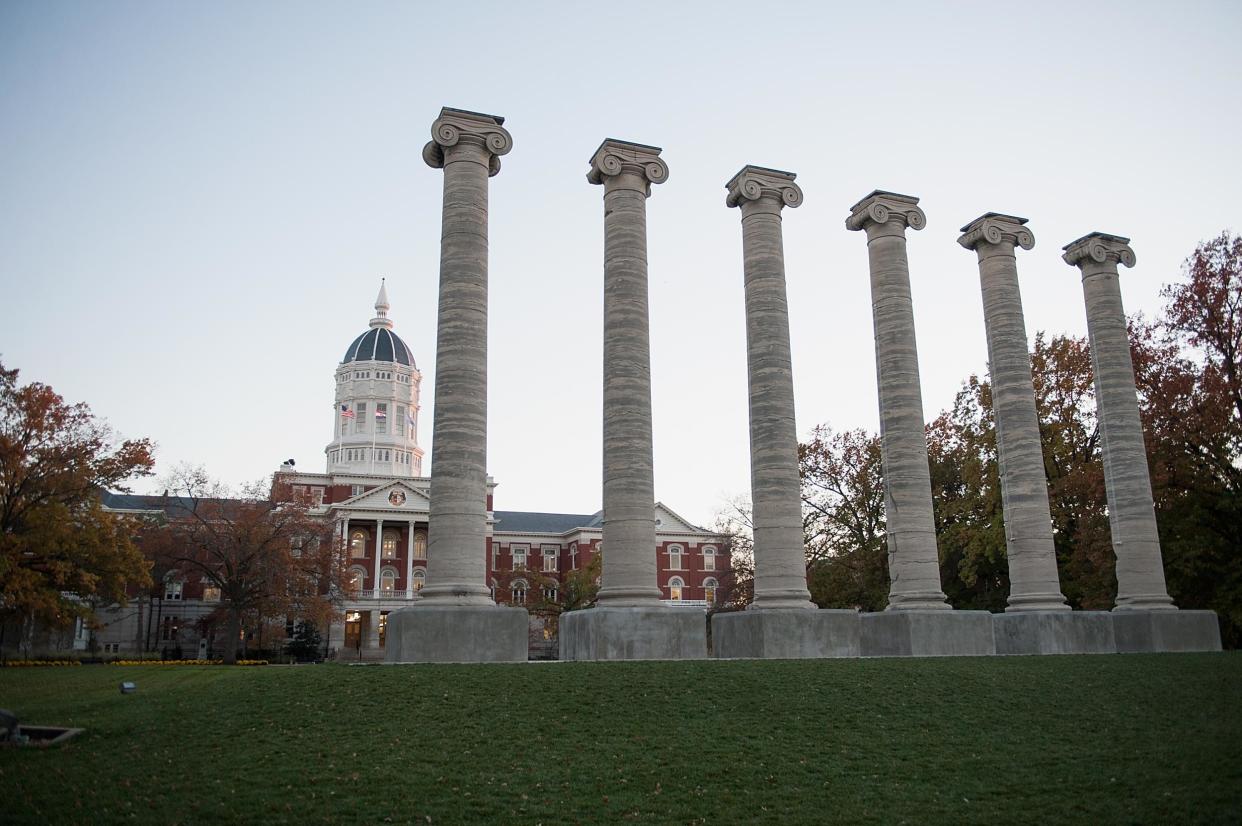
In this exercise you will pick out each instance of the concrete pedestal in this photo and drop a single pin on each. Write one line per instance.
(786, 634)
(656, 633)
(1144, 631)
(1054, 632)
(455, 634)
(927, 634)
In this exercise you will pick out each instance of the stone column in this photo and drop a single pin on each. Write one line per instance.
(372, 640)
(627, 171)
(913, 564)
(1131, 513)
(468, 146)
(456, 620)
(780, 559)
(409, 560)
(1033, 581)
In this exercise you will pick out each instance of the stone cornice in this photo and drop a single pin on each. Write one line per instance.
(458, 126)
(880, 207)
(754, 182)
(996, 228)
(1101, 248)
(614, 158)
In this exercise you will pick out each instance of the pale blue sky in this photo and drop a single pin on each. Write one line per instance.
(197, 202)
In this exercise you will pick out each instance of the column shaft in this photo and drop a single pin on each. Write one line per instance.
(379, 552)
(913, 562)
(409, 560)
(1131, 512)
(1033, 579)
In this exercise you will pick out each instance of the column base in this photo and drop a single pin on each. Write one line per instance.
(1165, 630)
(654, 633)
(1054, 632)
(456, 634)
(937, 633)
(785, 635)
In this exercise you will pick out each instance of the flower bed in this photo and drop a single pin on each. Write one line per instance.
(37, 663)
(186, 662)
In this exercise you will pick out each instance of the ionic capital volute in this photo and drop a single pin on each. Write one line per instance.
(993, 228)
(881, 208)
(458, 129)
(1099, 248)
(757, 187)
(624, 165)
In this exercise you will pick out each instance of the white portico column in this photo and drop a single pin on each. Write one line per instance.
(913, 563)
(468, 147)
(1033, 580)
(1131, 513)
(780, 559)
(409, 560)
(379, 553)
(457, 620)
(627, 171)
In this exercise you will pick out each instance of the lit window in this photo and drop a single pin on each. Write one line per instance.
(420, 545)
(675, 586)
(674, 558)
(388, 581)
(383, 627)
(709, 559)
(358, 545)
(172, 589)
(420, 579)
(211, 593)
(519, 555)
(170, 628)
(390, 545)
(549, 557)
(357, 577)
(518, 589)
(709, 590)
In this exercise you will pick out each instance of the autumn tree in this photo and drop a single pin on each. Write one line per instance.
(270, 558)
(736, 587)
(59, 550)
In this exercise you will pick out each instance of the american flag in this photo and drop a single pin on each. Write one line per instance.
(380, 414)
(346, 412)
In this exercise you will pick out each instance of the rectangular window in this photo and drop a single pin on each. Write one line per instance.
(360, 423)
(519, 555)
(172, 589)
(171, 626)
(495, 557)
(211, 593)
(709, 560)
(399, 426)
(381, 417)
(550, 553)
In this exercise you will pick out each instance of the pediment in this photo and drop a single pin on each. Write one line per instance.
(396, 496)
(667, 520)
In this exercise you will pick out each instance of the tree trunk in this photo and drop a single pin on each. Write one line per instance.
(231, 632)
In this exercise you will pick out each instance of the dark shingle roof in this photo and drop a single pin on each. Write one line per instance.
(527, 522)
(379, 344)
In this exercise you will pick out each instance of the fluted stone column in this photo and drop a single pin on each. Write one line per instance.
(629, 621)
(456, 620)
(780, 559)
(1033, 581)
(1131, 513)
(627, 171)
(913, 565)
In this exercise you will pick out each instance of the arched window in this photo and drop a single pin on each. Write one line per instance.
(675, 586)
(388, 581)
(420, 544)
(357, 577)
(709, 590)
(172, 587)
(420, 579)
(709, 558)
(674, 558)
(358, 544)
(549, 593)
(518, 590)
(391, 538)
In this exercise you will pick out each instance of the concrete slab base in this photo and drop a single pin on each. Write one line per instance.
(657, 633)
(1054, 632)
(1141, 631)
(456, 634)
(927, 634)
(785, 635)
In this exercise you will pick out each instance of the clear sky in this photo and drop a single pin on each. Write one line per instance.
(197, 202)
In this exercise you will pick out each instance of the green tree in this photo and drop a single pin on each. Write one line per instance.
(59, 550)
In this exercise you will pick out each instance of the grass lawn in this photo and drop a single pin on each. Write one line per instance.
(1088, 739)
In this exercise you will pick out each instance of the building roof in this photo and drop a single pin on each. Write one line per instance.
(528, 522)
(379, 344)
